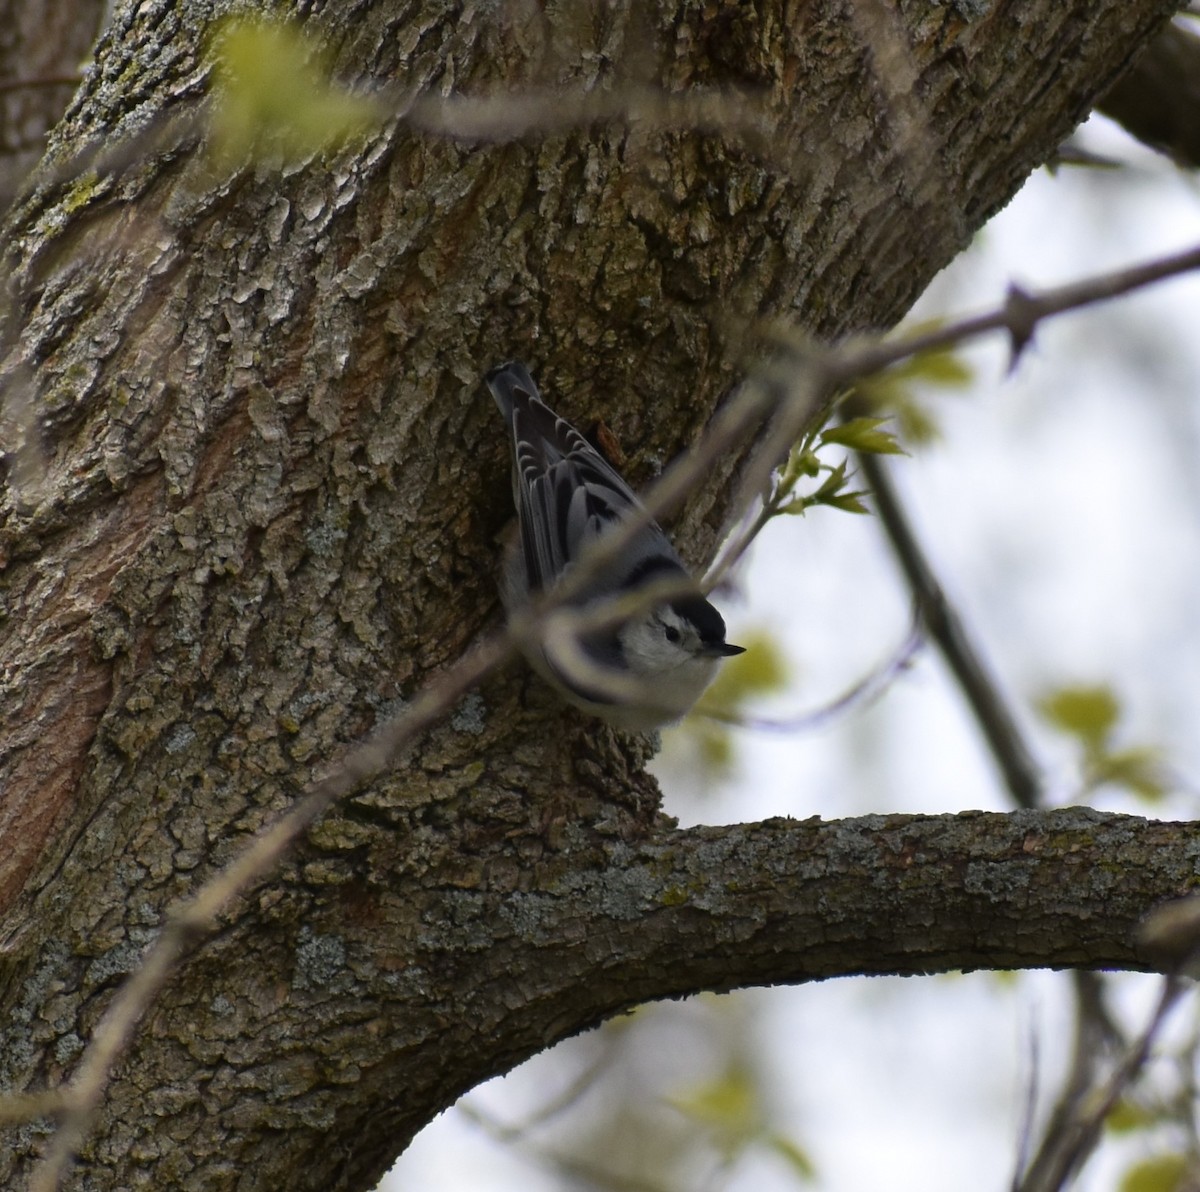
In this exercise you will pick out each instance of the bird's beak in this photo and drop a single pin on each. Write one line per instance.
(725, 650)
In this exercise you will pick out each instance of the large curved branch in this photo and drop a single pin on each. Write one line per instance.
(787, 901)
(901, 894)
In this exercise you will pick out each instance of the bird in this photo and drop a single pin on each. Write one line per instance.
(638, 669)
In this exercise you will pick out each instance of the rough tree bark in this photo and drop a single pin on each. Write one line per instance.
(252, 495)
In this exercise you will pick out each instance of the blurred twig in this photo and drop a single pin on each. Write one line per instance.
(1095, 1036)
(863, 693)
(1075, 1134)
(550, 1109)
(71, 80)
(1063, 1140)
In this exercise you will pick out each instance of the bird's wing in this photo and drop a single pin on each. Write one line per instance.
(567, 493)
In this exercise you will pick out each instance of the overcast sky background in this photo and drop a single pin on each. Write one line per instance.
(1062, 511)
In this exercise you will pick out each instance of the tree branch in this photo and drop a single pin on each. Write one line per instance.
(1080, 1116)
(1158, 99)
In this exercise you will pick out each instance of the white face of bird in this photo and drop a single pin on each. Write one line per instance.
(662, 641)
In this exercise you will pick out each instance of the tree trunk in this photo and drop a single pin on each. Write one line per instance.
(252, 497)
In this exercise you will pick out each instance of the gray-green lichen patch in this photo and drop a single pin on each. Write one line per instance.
(320, 962)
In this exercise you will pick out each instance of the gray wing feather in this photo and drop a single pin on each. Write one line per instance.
(566, 493)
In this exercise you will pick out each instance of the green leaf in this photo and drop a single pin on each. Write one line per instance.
(1087, 713)
(1163, 1173)
(802, 461)
(1138, 769)
(730, 1101)
(1127, 1116)
(1090, 714)
(729, 1108)
(829, 493)
(726, 1107)
(849, 502)
(943, 367)
(914, 422)
(796, 1158)
(715, 744)
(895, 391)
(884, 392)
(273, 94)
(759, 671)
(863, 434)
(831, 483)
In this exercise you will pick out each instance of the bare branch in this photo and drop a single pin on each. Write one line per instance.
(1019, 316)
(1158, 99)
(863, 693)
(1075, 1138)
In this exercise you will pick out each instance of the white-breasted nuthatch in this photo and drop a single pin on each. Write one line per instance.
(637, 670)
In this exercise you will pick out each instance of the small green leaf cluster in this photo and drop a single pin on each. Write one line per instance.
(730, 1111)
(1090, 715)
(1163, 1171)
(896, 391)
(804, 463)
(274, 97)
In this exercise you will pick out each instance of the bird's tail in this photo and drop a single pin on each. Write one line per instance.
(508, 382)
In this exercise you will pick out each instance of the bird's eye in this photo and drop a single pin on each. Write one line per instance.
(673, 634)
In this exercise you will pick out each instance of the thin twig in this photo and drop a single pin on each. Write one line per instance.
(26, 1107)
(1009, 749)
(863, 693)
(1020, 314)
(571, 1166)
(1094, 1038)
(1076, 1137)
(72, 80)
(548, 1110)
